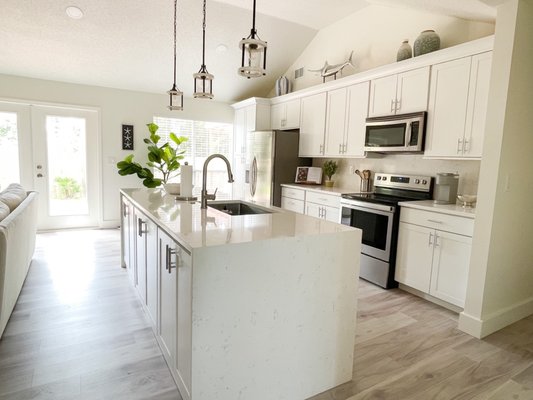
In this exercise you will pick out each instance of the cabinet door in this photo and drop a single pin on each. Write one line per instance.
(140, 254)
(313, 210)
(382, 96)
(151, 270)
(335, 122)
(414, 256)
(312, 124)
(292, 114)
(277, 112)
(451, 262)
(478, 96)
(167, 297)
(128, 239)
(184, 324)
(448, 96)
(331, 214)
(356, 114)
(412, 93)
(292, 204)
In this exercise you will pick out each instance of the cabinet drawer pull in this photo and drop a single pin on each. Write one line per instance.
(169, 264)
(430, 241)
(340, 148)
(140, 227)
(437, 240)
(398, 105)
(459, 146)
(392, 101)
(125, 210)
(466, 146)
(435, 221)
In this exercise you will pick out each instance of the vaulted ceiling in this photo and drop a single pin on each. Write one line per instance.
(127, 44)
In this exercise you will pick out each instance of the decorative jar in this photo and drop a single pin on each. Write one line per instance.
(426, 42)
(405, 51)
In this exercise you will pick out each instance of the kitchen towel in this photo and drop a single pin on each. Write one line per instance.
(186, 180)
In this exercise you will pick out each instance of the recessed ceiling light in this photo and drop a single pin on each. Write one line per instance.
(221, 48)
(74, 12)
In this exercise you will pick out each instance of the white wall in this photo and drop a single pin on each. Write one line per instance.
(500, 285)
(374, 34)
(116, 107)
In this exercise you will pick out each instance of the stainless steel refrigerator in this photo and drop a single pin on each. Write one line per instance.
(272, 158)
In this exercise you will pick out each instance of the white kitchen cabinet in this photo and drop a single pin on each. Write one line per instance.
(433, 254)
(293, 199)
(140, 253)
(250, 115)
(168, 287)
(347, 109)
(152, 272)
(175, 299)
(400, 93)
(457, 107)
(312, 125)
(285, 115)
(321, 205)
(128, 238)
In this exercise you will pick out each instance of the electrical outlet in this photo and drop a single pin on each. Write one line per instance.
(351, 169)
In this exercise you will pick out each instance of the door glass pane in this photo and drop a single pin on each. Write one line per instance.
(67, 174)
(9, 151)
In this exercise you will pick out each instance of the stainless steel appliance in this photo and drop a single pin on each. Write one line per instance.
(272, 158)
(446, 188)
(396, 133)
(377, 215)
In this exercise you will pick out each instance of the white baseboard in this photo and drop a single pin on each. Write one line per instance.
(496, 320)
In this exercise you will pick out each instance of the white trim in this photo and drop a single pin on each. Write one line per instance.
(496, 320)
(251, 102)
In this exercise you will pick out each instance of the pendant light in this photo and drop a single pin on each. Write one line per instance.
(253, 61)
(176, 96)
(203, 80)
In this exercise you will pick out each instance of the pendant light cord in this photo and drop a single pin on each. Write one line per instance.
(175, 24)
(203, 37)
(253, 20)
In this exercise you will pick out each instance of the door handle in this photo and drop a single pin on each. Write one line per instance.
(459, 145)
(169, 253)
(140, 227)
(437, 240)
(430, 241)
(398, 105)
(392, 101)
(253, 184)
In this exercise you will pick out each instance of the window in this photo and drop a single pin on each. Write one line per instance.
(205, 138)
(9, 151)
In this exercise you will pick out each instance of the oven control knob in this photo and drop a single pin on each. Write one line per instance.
(424, 182)
(379, 177)
(384, 178)
(417, 181)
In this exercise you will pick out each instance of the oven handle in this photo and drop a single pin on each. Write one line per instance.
(375, 208)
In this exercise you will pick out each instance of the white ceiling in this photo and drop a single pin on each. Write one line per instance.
(127, 44)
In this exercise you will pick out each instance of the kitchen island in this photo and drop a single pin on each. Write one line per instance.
(244, 307)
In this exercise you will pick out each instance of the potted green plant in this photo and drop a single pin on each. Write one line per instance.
(163, 158)
(329, 168)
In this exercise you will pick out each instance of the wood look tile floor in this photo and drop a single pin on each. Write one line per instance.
(78, 332)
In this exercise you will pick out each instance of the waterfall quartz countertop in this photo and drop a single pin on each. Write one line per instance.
(269, 302)
(450, 209)
(193, 227)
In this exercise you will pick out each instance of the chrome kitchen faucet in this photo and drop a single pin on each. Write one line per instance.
(206, 196)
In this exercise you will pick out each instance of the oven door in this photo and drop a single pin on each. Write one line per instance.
(376, 222)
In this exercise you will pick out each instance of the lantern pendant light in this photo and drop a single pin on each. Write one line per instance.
(176, 96)
(203, 80)
(253, 60)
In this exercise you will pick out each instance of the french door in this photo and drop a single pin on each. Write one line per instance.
(57, 157)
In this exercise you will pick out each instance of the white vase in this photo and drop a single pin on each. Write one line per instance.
(283, 86)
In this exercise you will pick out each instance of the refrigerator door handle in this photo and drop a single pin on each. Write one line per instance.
(253, 184)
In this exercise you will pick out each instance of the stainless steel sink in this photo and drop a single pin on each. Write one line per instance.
(237, 207)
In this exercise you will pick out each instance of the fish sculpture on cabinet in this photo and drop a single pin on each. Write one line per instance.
(332, 70)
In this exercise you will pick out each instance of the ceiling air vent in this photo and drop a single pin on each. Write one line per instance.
(298, 73)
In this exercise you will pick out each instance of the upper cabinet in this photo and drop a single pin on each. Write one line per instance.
(400, 93)
(285, 115)
(347, 109)
(458, 107)
(312, 124)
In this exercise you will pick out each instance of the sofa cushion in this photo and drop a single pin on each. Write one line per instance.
(17, 189)
(4, 210)
(12, 200)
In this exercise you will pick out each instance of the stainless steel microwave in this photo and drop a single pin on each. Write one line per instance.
(396, 133)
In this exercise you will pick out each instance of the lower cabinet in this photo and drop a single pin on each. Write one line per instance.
(128, 238)
(431, 258)
(175, 319)
(310, 202)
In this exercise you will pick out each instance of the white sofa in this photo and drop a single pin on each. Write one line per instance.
(17, 244)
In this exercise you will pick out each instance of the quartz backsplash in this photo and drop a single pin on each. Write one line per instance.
(405, 164)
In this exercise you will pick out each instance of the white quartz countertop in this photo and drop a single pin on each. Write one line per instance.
(322, 189)
(450, 209)
(193, 227)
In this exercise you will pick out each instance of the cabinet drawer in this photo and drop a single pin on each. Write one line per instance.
(292, 204)
(443, 222)
(324, 199)
(297, 194)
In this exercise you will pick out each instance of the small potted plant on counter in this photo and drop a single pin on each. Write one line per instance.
(329, 168)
